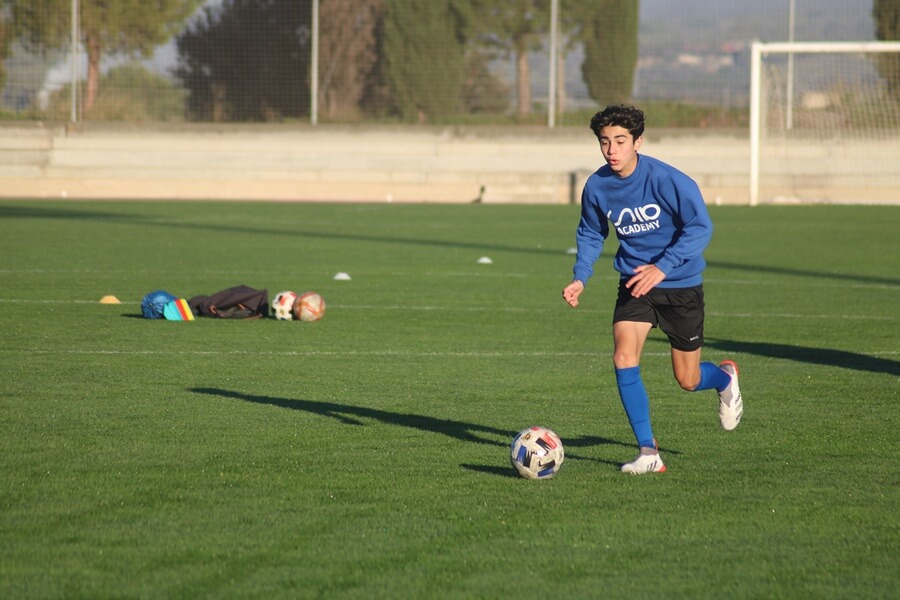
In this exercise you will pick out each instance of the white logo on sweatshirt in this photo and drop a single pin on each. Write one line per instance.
(642, 218)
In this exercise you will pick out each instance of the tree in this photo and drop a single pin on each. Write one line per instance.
(423, 45)
(517, 27)
(129, 92)
(347, 52)
(4, 48)
(133, 27)
(887, 28)
(247, 60)
(610, 50)
(571, 25)
(483, 91)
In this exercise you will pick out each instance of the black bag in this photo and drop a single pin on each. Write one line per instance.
(239, 302)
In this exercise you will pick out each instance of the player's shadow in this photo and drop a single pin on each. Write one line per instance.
(460, 430)
(353, 415)
(792, 272)
(817, 356)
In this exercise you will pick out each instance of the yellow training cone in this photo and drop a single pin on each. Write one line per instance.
(110, 300)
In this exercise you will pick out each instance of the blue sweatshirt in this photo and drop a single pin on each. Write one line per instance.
(659, 217)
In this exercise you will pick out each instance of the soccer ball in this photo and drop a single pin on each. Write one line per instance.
(283, 306)
(536, 453)
(310, 306)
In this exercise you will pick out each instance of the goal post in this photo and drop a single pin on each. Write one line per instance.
(824, 122)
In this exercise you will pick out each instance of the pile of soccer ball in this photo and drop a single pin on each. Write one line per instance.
(290, 306)
(536, 453)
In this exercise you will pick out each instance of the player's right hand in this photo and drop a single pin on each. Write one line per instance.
(572, 291)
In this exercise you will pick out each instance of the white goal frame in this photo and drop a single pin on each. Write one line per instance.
(761, 49)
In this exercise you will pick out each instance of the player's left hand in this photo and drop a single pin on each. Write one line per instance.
(645, 278)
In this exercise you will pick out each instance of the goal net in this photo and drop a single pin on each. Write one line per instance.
(825, 122)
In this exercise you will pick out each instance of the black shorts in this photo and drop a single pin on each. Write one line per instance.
(678, 312)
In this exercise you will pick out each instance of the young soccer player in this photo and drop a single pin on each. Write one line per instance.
(663, 227)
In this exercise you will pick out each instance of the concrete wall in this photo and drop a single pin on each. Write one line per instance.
(343, 163)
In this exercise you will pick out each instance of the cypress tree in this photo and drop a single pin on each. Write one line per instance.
(424, 53)
(887, 28)
(610, 50)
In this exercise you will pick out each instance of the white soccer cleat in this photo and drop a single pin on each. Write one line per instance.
(731, 405)
(645, 463)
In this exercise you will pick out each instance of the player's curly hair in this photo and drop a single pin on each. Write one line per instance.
(619, 115)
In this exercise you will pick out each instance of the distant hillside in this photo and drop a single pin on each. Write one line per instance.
(669, 24)
(697, 50)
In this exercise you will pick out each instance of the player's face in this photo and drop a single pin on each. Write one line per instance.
(619, 149)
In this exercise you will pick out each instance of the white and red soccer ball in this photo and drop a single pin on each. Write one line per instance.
(310, 306)
(536, 453)
(283, 305)
(291, 306)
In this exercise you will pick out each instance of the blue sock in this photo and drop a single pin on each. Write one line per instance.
(712, 376)
(637, 404)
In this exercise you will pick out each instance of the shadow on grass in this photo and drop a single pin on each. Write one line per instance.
(32, 211)
(51, 213)
(460, 430)
(816, 356)
(70, 212)
(789, 272)
(352, 415)
(505, 471)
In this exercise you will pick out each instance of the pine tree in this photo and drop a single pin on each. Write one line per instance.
(517, 27)
(247, 60)
(126, 26)
(4, 49)
(347, 53)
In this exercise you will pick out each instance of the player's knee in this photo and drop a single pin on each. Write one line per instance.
(622, 360)
(688, 382)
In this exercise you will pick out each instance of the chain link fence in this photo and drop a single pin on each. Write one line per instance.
(389, 61)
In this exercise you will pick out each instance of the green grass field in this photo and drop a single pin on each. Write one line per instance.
(366, 455)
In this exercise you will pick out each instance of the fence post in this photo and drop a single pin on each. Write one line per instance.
(73, 116)
(314, 67)
(755, 124)
(551, 93)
